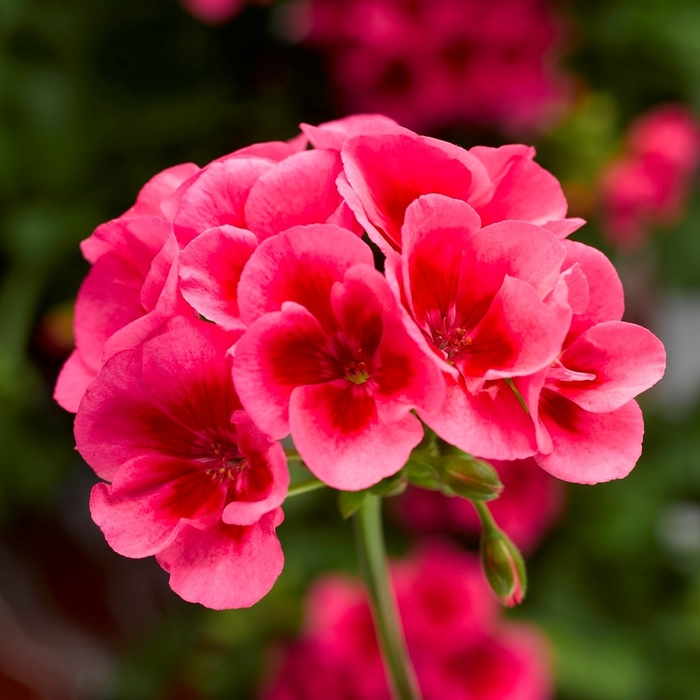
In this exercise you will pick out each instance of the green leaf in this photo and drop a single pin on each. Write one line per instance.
(349, 502)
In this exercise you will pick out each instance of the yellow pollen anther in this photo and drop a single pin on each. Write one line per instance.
(218, 476)
(356, 372)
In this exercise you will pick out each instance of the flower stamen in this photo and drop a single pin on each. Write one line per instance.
(356, 372)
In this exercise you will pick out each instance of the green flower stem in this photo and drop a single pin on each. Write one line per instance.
(487, 522)
(369, 538)
(304, 487)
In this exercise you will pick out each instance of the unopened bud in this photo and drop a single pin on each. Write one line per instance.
(471, 478)
(504, 567)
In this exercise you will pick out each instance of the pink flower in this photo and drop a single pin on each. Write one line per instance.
(132, 288)
(530, 502)
(649, 184)
(477, 295)
(193, 481)
(326, 356)
(265, 197)
(445, 603)
(335, 133)
(312, 670)
(131, 258)
(459, 647)
(213, 11)
(221, 222)
(384, 173)
(670, 132)
(512, 665)
(589, 428)
(434, 63)
(216, 11)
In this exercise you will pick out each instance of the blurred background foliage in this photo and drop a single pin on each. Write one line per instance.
(95, 97)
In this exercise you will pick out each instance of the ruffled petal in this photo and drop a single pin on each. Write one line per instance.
(388, 172)
(150, 499)
(491, 423)
(299, 265)
(217, 196)
(526, 192)
(625, 359)
(606, 297)
(159, 188)
(167, 397)
(227, 566)
(300, 190)
(518, 335)
(74, 378)
(279, 352)
(264, 458)
(589, 448)
(339, 436)
(210, 268)
(334, 134)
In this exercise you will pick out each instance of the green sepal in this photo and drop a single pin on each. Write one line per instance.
(469, 477)
(391, 486)
(421, 471)
(349, 502)
(503, 566)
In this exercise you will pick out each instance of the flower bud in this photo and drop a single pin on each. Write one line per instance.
(504, 567)
(470, 478)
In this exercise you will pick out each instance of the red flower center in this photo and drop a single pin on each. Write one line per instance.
(453, 342)
(356, 371)
(225, 463)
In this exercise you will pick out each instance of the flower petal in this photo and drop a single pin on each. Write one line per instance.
(159, 188)
(491, 424)
(217, 196)
(589, 448)
(626, 360)
(210, 268)
(388, 172)
(402, 371)
(227, 566)
(299, 265)
(334, 134)
(279, 352)
(526, 192)
(108, 300)
(300, 190)
(74, 378)
(141, 512)
(518, 335)
(264, 458)
(166, 397)
(339, 436)
(606, 297)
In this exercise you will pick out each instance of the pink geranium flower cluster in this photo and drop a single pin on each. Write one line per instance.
(434, 63)
(237, 304)
(649, 184)
(459, 646)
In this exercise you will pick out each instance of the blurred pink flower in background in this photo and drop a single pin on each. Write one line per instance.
(432, 63)
(216, 11)
(460, 647)
(649, 184)
(530, 502)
